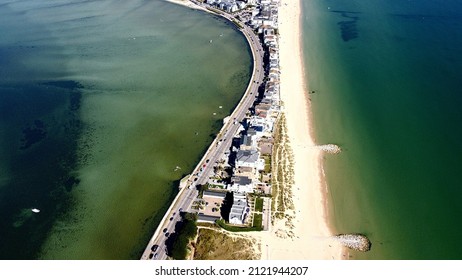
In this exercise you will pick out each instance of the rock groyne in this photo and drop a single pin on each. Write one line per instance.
(358, 242)
(330, 148)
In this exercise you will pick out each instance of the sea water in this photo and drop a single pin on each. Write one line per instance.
(386, 76)
(104, 107)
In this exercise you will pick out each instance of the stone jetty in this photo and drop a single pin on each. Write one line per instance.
(330, 148)
(358, 242)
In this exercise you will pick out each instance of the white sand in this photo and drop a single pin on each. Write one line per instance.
(311, 232)
(187, 3)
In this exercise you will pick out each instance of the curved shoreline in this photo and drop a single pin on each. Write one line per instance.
(244, 101)
(312, 232)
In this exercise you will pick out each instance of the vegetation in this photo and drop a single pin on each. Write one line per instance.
(214, 10)
(267, 164)
(231, 228)
(177, 242)
(257, 221)
(201, 189)
(215, 245)
(258, 204)
(237, 24)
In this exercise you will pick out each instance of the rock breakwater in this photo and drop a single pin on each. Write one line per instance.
(330, 148)
(358, 242)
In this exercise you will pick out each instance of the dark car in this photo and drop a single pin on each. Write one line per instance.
(167, 234)
(164, 230)
(154, 247)
(151, 255)
(171, 218)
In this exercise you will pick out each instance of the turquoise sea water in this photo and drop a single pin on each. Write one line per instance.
(388, 91)
(100, 101)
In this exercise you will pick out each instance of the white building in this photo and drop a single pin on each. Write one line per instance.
(241, 184)
(247, 158)
(240, 209)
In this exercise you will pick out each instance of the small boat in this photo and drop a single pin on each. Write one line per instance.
(211, 41)
(35, 210)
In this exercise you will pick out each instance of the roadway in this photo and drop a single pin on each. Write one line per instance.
(221, 143)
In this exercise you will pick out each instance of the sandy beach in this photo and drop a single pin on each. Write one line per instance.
(188, 4)
(309, 236)
(303, 231)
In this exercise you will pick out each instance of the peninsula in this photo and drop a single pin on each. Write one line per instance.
(264, 163)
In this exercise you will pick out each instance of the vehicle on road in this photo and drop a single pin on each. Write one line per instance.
(154, 247)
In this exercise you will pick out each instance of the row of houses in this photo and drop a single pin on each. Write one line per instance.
(230, 6)
(256, 140)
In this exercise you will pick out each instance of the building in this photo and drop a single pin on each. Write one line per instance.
(247, 158)
(248, 143)
(211, 194)
(240, 209)
(206, 219)
(241, 184)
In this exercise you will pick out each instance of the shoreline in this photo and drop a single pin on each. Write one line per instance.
(312, 230)
(306, 233)
(229, 128)
(188, 4)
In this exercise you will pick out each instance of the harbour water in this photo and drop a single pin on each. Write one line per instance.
(100, 102)
(388, 91)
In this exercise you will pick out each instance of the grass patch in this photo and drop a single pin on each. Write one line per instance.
(214, 245)
(237, 24)
(257, 221)
(258, 204)
(267, 164)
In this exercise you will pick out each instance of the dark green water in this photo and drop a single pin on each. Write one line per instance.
(100, 101)
(388, 91)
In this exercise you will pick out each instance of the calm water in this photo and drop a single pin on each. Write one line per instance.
(388, 90)
(100, 101)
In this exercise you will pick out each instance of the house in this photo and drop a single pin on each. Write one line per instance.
(241, 5)
(240, 209)
(250, 158)
(247, 158)
(258, 130)
(245, 171)
(248, 143)
(241, 184)
(211, 194)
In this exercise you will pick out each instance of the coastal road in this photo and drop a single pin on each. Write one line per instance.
(221, 143)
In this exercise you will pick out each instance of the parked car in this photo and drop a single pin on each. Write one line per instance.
(154, 247)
